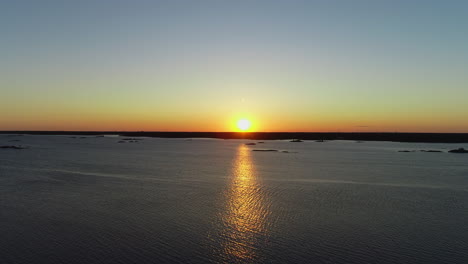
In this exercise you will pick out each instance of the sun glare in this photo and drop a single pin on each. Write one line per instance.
(243, 124)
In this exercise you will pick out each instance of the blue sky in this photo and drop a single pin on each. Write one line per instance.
(195, 65)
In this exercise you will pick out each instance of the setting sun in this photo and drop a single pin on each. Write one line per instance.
(243, 124)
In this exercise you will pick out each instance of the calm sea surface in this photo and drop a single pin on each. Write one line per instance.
(94, 200)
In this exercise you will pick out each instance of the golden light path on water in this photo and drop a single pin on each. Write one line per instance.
(245, 212)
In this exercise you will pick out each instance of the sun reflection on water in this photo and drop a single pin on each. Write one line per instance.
(245, 212)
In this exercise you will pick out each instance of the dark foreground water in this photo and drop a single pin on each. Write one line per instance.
(93, 200)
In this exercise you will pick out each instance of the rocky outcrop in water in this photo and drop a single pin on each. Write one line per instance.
(12, 147)
(459, 150)
(130, 140)
(296, 140)
(422, 150)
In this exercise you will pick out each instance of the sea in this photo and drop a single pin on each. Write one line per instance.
(109, 199)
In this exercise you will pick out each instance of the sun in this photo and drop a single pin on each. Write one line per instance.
(243, 124)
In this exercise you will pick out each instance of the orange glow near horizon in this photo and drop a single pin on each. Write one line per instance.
(223, 121)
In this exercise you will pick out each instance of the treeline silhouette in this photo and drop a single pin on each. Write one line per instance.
(357, 136)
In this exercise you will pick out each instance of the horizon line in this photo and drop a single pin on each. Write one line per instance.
(239, 132)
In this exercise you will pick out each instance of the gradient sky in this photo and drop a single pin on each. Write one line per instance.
(200, 65)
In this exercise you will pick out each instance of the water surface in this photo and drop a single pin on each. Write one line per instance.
(94, 200)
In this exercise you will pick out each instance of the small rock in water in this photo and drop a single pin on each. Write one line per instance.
(132, 139)
(296, 140)
(459, 150)
(12, 147)
(250, 144)
(265, 150)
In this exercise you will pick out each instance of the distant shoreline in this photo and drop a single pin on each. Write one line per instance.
(357, 136)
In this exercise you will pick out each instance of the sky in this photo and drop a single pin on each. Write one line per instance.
(364, 66)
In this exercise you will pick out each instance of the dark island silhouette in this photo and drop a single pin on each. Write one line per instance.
(12, 147)
(298, 136)
(459, 150)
